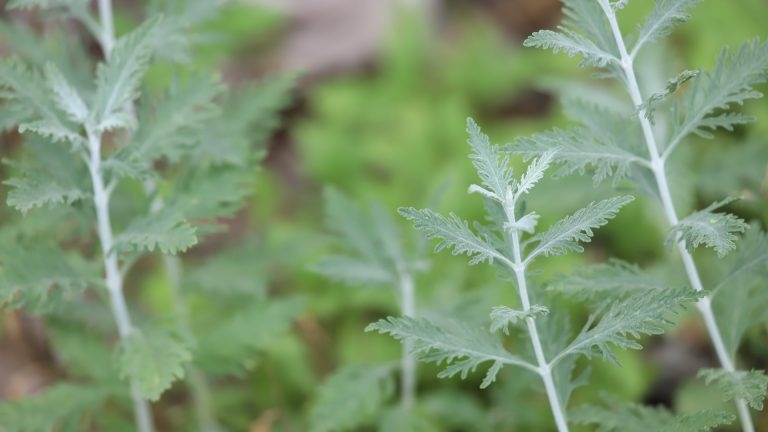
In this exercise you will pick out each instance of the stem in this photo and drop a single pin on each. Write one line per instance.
(101, 195)
(113, 278)
(408, 362)
(198, 384)
(544, 369)
(657, 167)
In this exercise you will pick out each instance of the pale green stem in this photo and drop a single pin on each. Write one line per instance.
(544, 369)
(657, 165)
(408, 362)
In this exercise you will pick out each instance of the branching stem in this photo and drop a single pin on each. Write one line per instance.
(544, 369)
(657, 167)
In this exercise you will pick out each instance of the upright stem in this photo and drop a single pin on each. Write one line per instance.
(657, 166)
(198, 384)
(113, 278)
(544, 369)
(408, 362)
(101, 195)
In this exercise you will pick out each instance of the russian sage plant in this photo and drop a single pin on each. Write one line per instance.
(512, 243)
(147, 174)
(639, 143)
(374, 256)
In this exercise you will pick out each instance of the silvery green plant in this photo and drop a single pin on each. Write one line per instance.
(638, 144)
(373, 255)
(146, 175)
(512, 242)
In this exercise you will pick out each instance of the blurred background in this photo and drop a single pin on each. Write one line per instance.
(379, 113)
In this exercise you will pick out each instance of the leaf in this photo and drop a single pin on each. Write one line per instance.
(462, 347)
(584, 32)
(165, 230)
(352, 271)
(571, 43)
(706, 227)
(37, 277)
(739, 298)
(665, 16)
(642, 313)
(66, 97)
(453, 233)
(502, 316)
(606, 280)
(565, 235)
(671, 87)
(118, 79)
(237, 272)
(42, 4)
(172, 127)
(601, 146)
(153, 359)
(626, 417)
(25, 90)
(210, 193)
(731, 82)
(492, 167)
(231, 343)
(351, 397)
(750, 386)
(535, 172)
(62, 406)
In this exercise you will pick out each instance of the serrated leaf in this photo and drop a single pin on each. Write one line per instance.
(66, 97)
(665, 16)
(351, 397)
(232, 343)
(750, 386)
(571, 43)
(462, 347)
(38, 277)
(153, 359)
(535, 172)
(584, 32)
(237, 272)
(502, 316)
(612, 279)
(715, 230)
(492, 166)
(624, 417)
(670, 88)
(118, 79)
(173, 126)
(60, 407)
(211, 193)
(640, 314)
(165, 230)
(731, 82)
(565, 235)
(453, 233)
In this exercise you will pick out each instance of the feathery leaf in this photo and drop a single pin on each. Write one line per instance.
(751, 386)
(665, 16)
(165, 230)
(715, 230)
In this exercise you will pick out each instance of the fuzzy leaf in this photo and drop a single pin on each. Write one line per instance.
(66, 97)
(492, 167)
(502, 316)
(462, 347)
(639, 418)
(571, 43)
(60, 407)
(565, 235)
(706, 227)
(351, 397)
(453, 233)
(153, 359)
(119, 78)
(731, 82)
(665, 16)
(612, 279)
(165, 230)
(353, 271)
(751, 386)
(535, 172)
(38, 277)
(640, 314)
(211, 193)
(42, 4)
(671, 87)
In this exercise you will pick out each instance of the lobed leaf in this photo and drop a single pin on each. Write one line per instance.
(571, 43)
(715, 230)
(612, 279)
(462, 347)
(165, 230)
(750, 386)
(153, 360)
(665, 16)
(492, 166)
(502, 316)
(565, 235)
